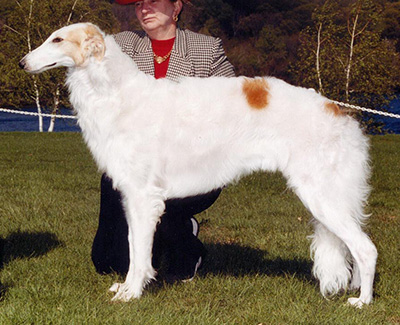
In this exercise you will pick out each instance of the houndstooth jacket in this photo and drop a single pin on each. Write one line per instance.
(193, 55)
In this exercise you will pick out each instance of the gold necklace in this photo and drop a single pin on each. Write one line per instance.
(161, 59)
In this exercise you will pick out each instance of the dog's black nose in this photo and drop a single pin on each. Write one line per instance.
(22, 64)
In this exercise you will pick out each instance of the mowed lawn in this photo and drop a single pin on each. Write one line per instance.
(258, 268)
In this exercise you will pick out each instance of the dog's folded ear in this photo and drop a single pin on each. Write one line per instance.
(94, 43)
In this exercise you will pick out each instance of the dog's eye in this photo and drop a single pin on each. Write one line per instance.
(57, 40)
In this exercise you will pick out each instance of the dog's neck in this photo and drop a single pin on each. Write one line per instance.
(102, 79)
(96, 94)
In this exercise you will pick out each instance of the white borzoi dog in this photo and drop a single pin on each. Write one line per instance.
(159, 139)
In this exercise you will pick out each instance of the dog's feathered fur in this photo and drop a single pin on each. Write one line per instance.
(159, 139)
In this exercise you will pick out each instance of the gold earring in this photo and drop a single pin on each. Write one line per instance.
(175, 18)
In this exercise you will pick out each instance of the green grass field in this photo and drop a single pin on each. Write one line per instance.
(258, 268)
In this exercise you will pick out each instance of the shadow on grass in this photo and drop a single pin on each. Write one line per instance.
(237, 260)
(25, 245)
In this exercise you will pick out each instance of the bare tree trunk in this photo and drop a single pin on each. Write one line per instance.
(71, 12)
(37, 94)
(39, 108)
(56, 104)
(56, 98)
(317, 58)
(350, 62)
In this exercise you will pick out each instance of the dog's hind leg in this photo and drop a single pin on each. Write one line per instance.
(337, 224)
(355, 283)
(364, 255)
(330, 253)
(143, 211)
(331, 179)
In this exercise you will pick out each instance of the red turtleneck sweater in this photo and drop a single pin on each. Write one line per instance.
(162, 48)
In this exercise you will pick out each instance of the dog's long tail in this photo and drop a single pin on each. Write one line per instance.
(332, 261)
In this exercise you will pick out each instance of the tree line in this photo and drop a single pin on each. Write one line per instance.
(346, 49)
(24, 25)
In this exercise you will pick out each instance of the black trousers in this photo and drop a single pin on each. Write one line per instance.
(174, 242)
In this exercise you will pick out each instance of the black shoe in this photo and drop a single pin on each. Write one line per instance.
(200, 260)
(195, 225)
(186, 254)
(196, 267)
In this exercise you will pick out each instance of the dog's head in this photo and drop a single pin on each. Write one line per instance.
(70, 46)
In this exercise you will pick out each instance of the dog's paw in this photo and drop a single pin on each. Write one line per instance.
(115, 287)
(124, 292)
(357, 302)
(133, 285)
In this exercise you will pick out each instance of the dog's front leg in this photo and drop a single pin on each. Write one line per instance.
(142, 213)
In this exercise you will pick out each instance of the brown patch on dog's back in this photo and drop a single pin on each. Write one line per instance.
(333, 109)
(256, 92)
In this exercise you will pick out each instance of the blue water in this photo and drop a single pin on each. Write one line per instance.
(392, 124)
(26, 123)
